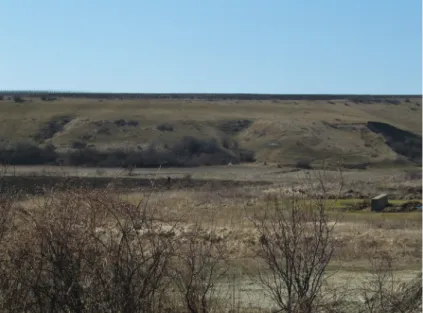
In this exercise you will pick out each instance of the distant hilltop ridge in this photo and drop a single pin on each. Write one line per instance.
(206, 96)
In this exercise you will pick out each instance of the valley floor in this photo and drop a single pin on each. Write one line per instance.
(359, 233)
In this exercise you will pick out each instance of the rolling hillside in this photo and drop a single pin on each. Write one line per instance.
(380, 130)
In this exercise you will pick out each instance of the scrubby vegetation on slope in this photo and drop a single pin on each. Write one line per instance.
(192, 131)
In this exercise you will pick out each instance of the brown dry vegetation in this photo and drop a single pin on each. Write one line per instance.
(85, 250)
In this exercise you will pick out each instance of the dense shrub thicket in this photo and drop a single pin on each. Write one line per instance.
(189, 151)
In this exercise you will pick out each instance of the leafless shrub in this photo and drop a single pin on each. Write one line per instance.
(13, 294)
(296, 245)
(85, 252)
(201, 264)
(130, 170)
(382, 293)
(165, 127)
(303, 164)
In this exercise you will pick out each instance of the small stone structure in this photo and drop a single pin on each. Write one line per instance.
(379, 202)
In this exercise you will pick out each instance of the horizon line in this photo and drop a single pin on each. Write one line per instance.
(75, 92)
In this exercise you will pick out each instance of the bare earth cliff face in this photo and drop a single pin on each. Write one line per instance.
(146, 131)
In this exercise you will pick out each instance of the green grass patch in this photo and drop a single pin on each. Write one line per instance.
(379, 216)
(342, 203)
(399, 202)
(345, 203)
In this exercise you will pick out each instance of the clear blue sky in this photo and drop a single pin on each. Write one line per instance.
(261, 46)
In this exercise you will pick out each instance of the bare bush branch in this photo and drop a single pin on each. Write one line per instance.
(381, 292)
(80, 252)
(200, 265)
(296, 245)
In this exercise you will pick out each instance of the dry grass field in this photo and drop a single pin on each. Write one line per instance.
(361, 236)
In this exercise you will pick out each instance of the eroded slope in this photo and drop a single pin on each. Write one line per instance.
(200, 132)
